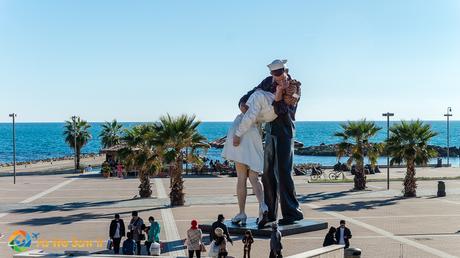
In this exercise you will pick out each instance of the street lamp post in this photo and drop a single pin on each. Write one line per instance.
(74, 118)
(13, 115)
(388, 114)
(448, 115)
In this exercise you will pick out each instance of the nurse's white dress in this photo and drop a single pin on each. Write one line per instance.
(248, 126)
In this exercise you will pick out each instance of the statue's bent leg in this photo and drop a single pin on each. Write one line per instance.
(258, 191)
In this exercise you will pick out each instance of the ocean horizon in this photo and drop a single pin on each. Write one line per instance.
(44, 140)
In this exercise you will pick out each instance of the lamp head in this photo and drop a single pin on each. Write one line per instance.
(388, 114)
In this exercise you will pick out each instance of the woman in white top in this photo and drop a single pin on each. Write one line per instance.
(249, 154)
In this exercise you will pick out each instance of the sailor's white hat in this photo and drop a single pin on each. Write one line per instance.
(277, 64)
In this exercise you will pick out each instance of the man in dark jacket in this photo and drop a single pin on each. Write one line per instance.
(135, 226)
(220, 224)
(275, 242)
(343, 235)
(278, 151)
(116, 232)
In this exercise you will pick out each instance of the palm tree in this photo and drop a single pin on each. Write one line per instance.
(142, 154)
(111, 133)
(77, 133)
(408, 143)
(174, 135)
(355, 141)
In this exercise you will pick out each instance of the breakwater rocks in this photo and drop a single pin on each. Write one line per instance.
(219, 143)
(82, 156)
(331, 150)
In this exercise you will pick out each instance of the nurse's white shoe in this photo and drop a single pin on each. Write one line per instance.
(240, 218)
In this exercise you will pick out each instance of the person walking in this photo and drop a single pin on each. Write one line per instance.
(193, 242)
(154, 230)
(221, 242)
(220, 224)
(116, 232)
(135, 227)
(120, 170)
(343, 235)
(330, 237)
(275, 242)
(247, 241)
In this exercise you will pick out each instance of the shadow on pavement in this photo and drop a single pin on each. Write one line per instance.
(174, 245)
(323, 196)
(360, 205)
(69, 206)
(64, 220)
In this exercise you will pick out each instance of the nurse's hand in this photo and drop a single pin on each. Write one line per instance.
(236, 140)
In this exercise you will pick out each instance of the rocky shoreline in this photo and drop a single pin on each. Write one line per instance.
(88, 155)
(331, 150)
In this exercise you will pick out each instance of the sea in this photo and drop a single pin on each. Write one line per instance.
(36, 141)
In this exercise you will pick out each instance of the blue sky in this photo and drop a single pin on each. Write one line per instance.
(136, 60)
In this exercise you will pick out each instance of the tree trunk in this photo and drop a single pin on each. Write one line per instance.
(145, 189)
(410, 182)
(177, 184)
(78, 158)
(360, 177)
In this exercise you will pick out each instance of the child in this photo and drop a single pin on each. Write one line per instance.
(129, 246)
(221, 242)
(149, 241)
(247, 241)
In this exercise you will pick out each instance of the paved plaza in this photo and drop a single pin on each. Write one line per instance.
(72, 209)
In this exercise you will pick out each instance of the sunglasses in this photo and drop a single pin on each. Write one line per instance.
(278, 72)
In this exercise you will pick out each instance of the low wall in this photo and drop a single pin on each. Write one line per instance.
(333, 251)
(42, 254)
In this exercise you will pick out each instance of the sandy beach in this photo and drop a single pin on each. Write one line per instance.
(55, 166)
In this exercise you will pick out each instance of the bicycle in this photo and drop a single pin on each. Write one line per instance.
(316, 173)
(334, 175)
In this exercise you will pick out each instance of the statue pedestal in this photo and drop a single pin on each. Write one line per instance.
(298, 227)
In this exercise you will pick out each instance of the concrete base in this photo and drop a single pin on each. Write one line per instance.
(298, 227)
(332, 251)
